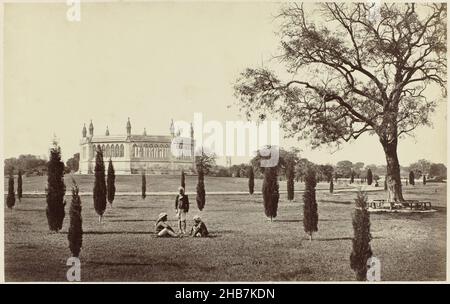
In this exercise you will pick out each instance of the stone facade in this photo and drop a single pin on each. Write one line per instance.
(134, 154)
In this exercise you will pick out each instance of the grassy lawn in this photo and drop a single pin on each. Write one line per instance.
(244, 245)
(158, 183)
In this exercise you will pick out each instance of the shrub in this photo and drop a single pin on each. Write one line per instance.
(11, 198)
(251, 180)
(183, 180)
(55, 190)
(75, 235)
(111, 183)
(19, 185)
(361, 230)
(201, 197)
(310, 215)
(100, 185)
(369, 177)
(290, 184)
(270, 190)
(144, 186)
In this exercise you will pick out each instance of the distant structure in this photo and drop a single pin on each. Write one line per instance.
(134, 154)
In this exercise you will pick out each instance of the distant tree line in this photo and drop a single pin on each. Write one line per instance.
(36, 165)
(343, 169)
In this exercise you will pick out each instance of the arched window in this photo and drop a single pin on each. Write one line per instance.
(167, 151)
(133, 151)
(152, 151)
(117, 151)
(141, 151)
(122, 150)
(107, 151)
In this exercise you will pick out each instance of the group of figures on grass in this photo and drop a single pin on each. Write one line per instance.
(181, 209)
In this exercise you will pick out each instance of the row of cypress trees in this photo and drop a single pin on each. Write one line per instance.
(361, 249)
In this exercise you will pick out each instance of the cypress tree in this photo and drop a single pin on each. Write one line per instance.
(412, 178)
(55, 190)
(385, 184)
(352, 177)
(310, 215)
(361, 229)
(111, 182)
(183, 180)
(331, 186)
(251, 180)
(369, 177)
(203, 163)
(19, 185)
(270, 191)
(424, 179)
(100, 185)
(290, 181)
(11, 198)
(75, 235)
(144, 186)
(201, 197)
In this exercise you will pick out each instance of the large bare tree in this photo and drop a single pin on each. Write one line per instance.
(354, 68)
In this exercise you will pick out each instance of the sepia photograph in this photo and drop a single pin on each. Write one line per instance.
(224, 141)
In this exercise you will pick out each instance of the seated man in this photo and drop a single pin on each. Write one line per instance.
(199, 228)
(162, 228)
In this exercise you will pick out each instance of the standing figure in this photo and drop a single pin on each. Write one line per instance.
(181, 209)
(391, 193)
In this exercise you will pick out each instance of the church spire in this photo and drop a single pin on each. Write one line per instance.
(172, 129)
(84, 131)
(91, 129)
(128, 127)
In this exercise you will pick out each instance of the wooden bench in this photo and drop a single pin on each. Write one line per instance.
(412, 204)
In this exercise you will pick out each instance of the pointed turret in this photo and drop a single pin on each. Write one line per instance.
(107, 131)
(172, 129)
(84, 132)
(128, 127)
(145, 132)
(91, 128)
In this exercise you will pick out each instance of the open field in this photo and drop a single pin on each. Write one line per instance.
(244, 245)
(158, 183)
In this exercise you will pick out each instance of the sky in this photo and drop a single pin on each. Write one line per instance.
(152, 62)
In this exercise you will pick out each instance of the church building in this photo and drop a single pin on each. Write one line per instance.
(135, 154)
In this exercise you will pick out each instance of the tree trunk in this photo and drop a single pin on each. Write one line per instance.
(394, 183)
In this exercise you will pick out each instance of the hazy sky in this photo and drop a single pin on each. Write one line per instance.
(150, 62)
